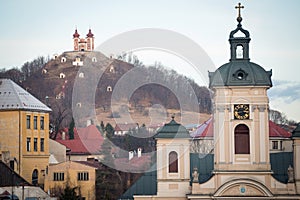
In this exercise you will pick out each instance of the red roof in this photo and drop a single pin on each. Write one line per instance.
(206, 130)
(91, 138)
(86, 141)
(76, 34)
(277, 131)
(90, 34)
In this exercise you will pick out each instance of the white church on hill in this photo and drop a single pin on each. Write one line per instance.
(241, 165)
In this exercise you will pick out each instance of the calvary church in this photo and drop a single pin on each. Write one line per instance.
(240, 164)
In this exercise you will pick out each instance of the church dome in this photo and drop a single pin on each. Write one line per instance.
(90, 34)
(240, 73)
(76, 34)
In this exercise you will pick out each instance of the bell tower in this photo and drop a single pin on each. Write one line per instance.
(173, 161)
(241, 103)
(76, 40)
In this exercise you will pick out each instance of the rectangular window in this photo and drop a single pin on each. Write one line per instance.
(274, 144)
(12, 164)
(35, 145)
(35, 122)
(28, 144)
(58, 176)
(42, 122)
(28, 121)
(42, 144)
(83, 176)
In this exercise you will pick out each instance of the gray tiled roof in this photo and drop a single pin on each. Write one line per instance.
(13, 97)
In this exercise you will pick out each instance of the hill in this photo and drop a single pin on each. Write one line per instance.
(91, 84)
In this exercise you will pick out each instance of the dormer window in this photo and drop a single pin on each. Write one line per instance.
(240, 75)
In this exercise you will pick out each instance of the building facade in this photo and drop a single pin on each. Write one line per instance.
(24, 132)
(239, 165)
(75, 174)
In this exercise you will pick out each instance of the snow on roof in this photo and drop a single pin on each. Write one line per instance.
(14, 97)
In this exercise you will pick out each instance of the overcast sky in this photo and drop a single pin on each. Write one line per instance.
(32, 28)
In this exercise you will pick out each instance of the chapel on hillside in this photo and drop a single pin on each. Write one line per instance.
(240, 164)
(83, 44)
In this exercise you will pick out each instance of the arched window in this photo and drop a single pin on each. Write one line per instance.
(35, 177)
(63, 59)
(109, 89)
(112, 69)
(81, 75)
(241, 139)
(173, 162)
(239, 51)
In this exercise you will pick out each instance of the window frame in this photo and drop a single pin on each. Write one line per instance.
(42, 123)
(35, 118)
(83, 176)
(35, 144)
(58, 176)
(173, 162)
(42, 144)
(28, 144)
(242, 139)
(28, 121)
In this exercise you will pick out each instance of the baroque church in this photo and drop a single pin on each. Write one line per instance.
(240, 164)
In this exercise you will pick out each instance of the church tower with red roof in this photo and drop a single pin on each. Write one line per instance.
(83, 44)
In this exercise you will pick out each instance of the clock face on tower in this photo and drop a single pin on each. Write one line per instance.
(241, 111)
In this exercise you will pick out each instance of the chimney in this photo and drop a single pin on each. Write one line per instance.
(130, 155)
(139, 152)
(88, 122)
(63, 135)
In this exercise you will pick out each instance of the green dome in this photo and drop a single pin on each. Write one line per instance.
(240, 73)
(172, 130)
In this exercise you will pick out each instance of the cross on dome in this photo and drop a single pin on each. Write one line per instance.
(239, 7)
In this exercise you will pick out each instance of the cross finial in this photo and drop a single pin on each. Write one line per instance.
(239, 7)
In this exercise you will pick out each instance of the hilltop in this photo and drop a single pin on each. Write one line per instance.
(94, 77)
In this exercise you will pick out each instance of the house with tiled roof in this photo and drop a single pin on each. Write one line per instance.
(122, 129)
(80, 175)
(86, 144)
(24, 132)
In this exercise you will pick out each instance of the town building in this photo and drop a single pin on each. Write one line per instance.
(86, 144)
(80, 175)
(24, 132)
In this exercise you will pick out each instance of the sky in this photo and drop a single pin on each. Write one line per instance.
(33, 28)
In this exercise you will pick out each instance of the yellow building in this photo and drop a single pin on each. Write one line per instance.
(24, 132)
(79, 174)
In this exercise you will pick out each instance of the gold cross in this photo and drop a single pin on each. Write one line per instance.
(239, 7)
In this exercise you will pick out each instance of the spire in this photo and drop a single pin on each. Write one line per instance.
(239, 45)
(90, 34)
(76, 35)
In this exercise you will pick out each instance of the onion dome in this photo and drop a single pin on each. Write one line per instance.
(90, 34)
(240, 71)
(76, 34)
